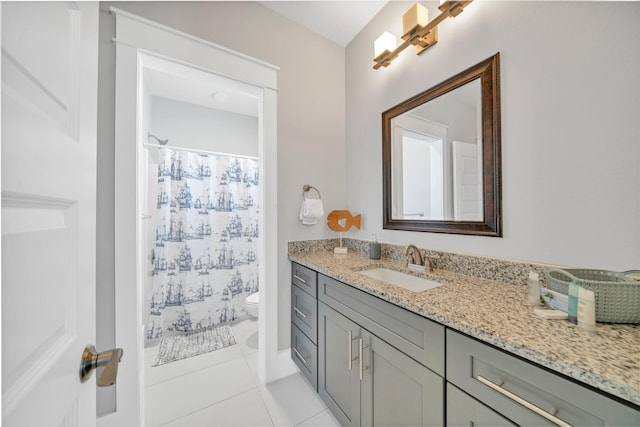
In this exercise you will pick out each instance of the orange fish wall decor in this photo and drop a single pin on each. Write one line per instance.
(342, 220)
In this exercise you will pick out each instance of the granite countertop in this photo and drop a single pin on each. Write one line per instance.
(498, 314)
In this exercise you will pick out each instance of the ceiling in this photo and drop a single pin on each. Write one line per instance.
(168, 79)
(339, 21)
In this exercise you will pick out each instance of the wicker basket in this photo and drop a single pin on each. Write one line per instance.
(617, 296)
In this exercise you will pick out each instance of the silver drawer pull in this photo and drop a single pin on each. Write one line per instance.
(295, 276)
(523, 402)
(300, 312)
(362, 368)
(350, 352)
(300, 355)
(350, 341)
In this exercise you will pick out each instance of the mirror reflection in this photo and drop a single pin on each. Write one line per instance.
(441, 156)
(437, 156)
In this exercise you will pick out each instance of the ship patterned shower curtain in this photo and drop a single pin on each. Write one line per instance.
(206, 239)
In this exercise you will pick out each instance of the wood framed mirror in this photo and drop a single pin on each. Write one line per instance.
(441, 156)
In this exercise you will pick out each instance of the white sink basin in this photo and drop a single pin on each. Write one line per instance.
(403, 280)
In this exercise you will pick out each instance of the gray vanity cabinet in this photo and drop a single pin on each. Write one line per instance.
(397, 390)
(363, 379)
(525, 393)
(304, 353)
(338, 378)
(376, 364)
(304, 321)
(304, 314)
(464, 410)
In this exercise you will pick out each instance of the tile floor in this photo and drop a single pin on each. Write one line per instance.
(221, 388)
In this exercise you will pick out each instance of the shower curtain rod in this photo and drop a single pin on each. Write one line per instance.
(193, 150)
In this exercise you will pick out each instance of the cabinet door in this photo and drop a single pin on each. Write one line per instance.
(338, 375)
(464, 410)
(397, 390)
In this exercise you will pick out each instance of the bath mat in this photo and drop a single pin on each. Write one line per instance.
(180, 347)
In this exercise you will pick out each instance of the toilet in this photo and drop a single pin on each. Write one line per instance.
(252, 303)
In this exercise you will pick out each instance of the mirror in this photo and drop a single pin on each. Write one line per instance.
(441, 156)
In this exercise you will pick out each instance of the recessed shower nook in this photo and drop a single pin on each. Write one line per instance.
(195, 161)
(200, 208)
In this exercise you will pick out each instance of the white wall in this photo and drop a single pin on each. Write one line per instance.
(150, 194)
(192, 126)
(311, 106)
(105, 199)
(570, 125)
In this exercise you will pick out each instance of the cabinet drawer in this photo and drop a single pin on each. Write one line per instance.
(305, 354)
(414, 335)
(464, 410)
(520, 390)
(304, 313)
(305, 278)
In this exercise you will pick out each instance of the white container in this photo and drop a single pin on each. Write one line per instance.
(586, 310)
(534, 289)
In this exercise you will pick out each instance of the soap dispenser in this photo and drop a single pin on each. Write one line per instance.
(374, 248)
(533, 284)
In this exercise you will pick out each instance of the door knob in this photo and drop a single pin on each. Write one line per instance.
(92, 360)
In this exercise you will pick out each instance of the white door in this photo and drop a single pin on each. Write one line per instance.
(467, 181)
(49, 102)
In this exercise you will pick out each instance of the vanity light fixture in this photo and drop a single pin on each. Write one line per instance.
(417, 29)
(385, 43)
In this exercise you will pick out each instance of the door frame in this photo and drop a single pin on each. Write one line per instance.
(136, 35)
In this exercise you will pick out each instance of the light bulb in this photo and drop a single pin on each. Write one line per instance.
(386, 41)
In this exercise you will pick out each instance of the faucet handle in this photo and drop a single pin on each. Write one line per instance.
(414, 256)
(428, 261)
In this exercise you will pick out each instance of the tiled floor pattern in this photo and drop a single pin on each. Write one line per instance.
(221, 388)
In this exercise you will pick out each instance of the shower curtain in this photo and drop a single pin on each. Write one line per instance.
(206, 240)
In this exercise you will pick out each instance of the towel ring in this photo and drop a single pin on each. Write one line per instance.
(307, 187)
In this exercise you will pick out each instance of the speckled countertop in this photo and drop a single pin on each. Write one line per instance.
(498, 313)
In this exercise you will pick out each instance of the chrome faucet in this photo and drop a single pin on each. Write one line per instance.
(414, 257)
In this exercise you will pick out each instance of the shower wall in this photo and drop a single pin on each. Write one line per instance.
(201, 128)
(194, 127)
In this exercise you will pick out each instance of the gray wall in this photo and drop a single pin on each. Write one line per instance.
(570, 121)
(570, 125)
(311, 109)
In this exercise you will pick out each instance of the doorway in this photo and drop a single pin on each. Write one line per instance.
(186, 62)
(201, 184)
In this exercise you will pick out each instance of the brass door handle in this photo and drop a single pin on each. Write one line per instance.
(92, 360)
